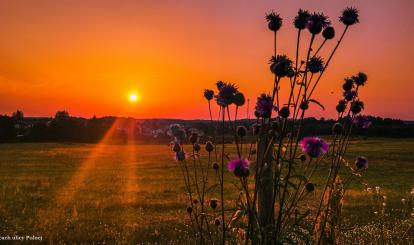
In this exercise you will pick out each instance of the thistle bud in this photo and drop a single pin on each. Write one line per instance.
(348, 84)
(341, 106)
(208, 94)
(284, 112)
(349, 16)
(357, 106)
(274, 21)
(216, 166)
(328, 32)
(241, 131)
(304, 105)
(337, 128)
(209, 146)
(196, 147)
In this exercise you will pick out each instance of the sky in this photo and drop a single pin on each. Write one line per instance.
(86, 56)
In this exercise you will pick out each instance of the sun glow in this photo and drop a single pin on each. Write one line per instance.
(133, 97)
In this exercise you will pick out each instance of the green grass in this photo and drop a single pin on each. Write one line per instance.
(135, 194)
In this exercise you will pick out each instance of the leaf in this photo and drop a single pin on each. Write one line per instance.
(317, 102)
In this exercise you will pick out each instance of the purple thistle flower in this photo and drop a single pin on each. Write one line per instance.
(281, 65)
(264, 106)
(208, 94)
(362, 121)
(328, 32)
(219, 84)
(349, 16)
(314, 146)
(240, 167)
(274, 20)
(315, 64)
(349, 95)
(226, 94)
(360, 79)
(361, 163)
(316, 22)
(301, 19)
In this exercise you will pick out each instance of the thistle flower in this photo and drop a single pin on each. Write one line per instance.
(226, 94)
(264, 106)
(280, 65)
(241, 131)
(349, 16)
(362, 121)
(219, 84)
(239, 99)
(348, 84)
(315, 64)
(360, 79)
(314, 146)
(274, 21)
(361, 163)
(337, 128)
(349, 95)
(196, 147)
(309, 187)
(208, 94)
(284, 112)
(240, 167)
(209, 146)
(328, 32)
(216, 166)
(341, 106)
(316, 22)
(180, 156)
(213, 203)
(357, 106)
(176, 147)
(301, 19)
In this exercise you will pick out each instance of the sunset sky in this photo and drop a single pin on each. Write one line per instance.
(87, 56)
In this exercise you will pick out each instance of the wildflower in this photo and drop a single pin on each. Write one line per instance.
(180, 156)
(280, 65)
(341, 106)
(315, 64)
(361, 163)
(301, 19)
(357, 106)
(309, 187)
(284, 112)
(314, 146)
(196, 147)
(274, 21)
(264, 106)
(219, 85)
(241, 131)
(360, 79)
(302, 157)
(348, 84)
(304, 105)
(316, 22)
(226, 94)
(217, 222)
(193, 138)
(240, 167)
(239, 99)
(213, 203)
(349, 16)
(209, 146)
(189, 210)
(176, 147)
(350, 95)
(208, 94)
(328, 32)
(216, 166)
(362, 121)
(337, 128)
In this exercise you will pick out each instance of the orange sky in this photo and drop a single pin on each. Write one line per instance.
(84, 56)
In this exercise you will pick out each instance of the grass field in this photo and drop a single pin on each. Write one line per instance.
(134, 193)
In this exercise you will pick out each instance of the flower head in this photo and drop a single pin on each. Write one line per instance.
(208, 94)
(240, 167)
(328, 32)
(274, 21)
(316, 22)
(226, 94)
(362, 121)
(315, 64)
(309, 187)
(301, 19)
(349, 16)
(219, 84)
(239, 99)
(281, 65)
(348, 84)
(216, 166)
(341, 106)
(361, 163)
(209, 146)
(314, 146)
(360, 79)
(357, 106)
(264, 106)
(284, 112)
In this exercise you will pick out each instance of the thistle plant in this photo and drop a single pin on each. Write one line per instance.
(272, 164)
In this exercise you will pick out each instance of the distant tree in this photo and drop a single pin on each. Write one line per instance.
(62, 115)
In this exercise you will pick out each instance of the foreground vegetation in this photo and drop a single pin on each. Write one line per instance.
(134, 193)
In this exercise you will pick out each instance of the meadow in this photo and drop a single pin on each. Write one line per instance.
(134, 193)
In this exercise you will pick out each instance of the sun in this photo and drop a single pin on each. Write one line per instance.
(133, 97)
